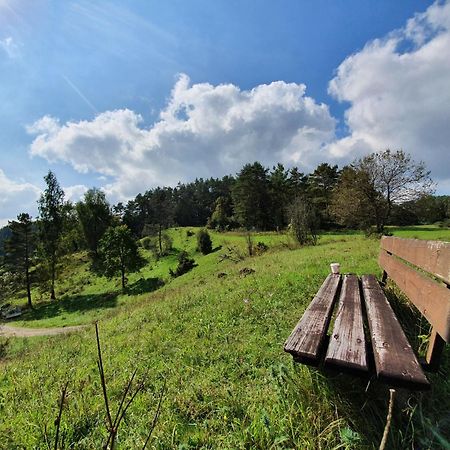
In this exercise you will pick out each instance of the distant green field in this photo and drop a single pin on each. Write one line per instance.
(218, 341)
(84, 297)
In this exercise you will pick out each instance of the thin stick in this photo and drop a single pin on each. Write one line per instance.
(155, 418)
(114, 428)
(102, 376)
(123, 397)
(388, 419)
(58, 420)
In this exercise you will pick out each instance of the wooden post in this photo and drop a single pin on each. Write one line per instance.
(434, 352)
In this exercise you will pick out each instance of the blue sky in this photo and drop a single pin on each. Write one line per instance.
(129, 95)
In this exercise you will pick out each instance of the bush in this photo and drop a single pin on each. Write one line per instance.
(189, 233)
(204, 243)
(185, 264)
(261, 248)
(166, 243)
(151, 243)
(148, 243)
(304, 221)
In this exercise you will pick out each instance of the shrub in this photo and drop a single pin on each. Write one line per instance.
(189, 233)
(167, 244)
(185, 264)
(304, 221)
(204, 243)
(260, 247)
(148, 243)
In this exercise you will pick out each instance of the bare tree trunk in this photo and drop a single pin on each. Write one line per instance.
(27, 271)
(53, 274)
(27, 276)
(122, 270)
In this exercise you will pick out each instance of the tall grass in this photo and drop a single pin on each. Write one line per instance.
(219, 344)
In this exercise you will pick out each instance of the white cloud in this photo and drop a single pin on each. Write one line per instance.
(10, 47)
(398, 89)
(399, 93)
(74, 193)
(205, 130)
(16, 197)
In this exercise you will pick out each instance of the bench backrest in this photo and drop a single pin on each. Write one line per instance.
(421, 269)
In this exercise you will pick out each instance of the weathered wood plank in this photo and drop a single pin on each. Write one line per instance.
(305, 341)
(395, 361)
(429, 297)
(431, 256)
(347, 347)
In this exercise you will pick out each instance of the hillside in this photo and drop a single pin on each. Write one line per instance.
(217, 341)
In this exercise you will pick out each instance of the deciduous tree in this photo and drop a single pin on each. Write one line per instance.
(368, 190)
(119, 253)
(94, 214)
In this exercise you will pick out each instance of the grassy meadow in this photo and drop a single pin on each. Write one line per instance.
(217, 341)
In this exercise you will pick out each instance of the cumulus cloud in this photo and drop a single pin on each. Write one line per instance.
(16, 197)
(399, 93)
(397, 87)
(75, 192)
(204, 130)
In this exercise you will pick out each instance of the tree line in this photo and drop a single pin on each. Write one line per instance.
(376, 190)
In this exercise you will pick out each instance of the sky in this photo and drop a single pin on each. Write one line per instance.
(129, 95)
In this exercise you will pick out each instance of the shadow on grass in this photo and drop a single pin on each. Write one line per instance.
(75, 303)
(144, 285)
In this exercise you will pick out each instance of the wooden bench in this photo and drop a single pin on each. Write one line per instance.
(421, 269)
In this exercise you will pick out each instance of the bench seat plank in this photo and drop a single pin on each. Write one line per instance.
(395, 361)
(305, 341)
(347, 347)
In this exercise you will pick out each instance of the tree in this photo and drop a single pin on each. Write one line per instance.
(355, 203)
(396, 177)
(304, 221)
(94, 214)
(119, 253)
(279, 195)
(221, 216)
(163, 210)
(19, 250)
(320, 188)
(375, 183)
(51, 221)
(251, 197)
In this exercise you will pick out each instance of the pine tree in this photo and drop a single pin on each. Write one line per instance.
(19, 250)
(51, 222)
(251, 197)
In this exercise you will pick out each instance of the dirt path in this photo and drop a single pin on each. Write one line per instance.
(8, 331)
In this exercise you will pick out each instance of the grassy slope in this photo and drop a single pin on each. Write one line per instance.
(218, 342)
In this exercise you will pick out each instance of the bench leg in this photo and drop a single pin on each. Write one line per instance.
(384, 278)
(434, 352)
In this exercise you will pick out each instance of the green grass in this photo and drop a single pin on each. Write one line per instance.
(431, 232)
(219, 344)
